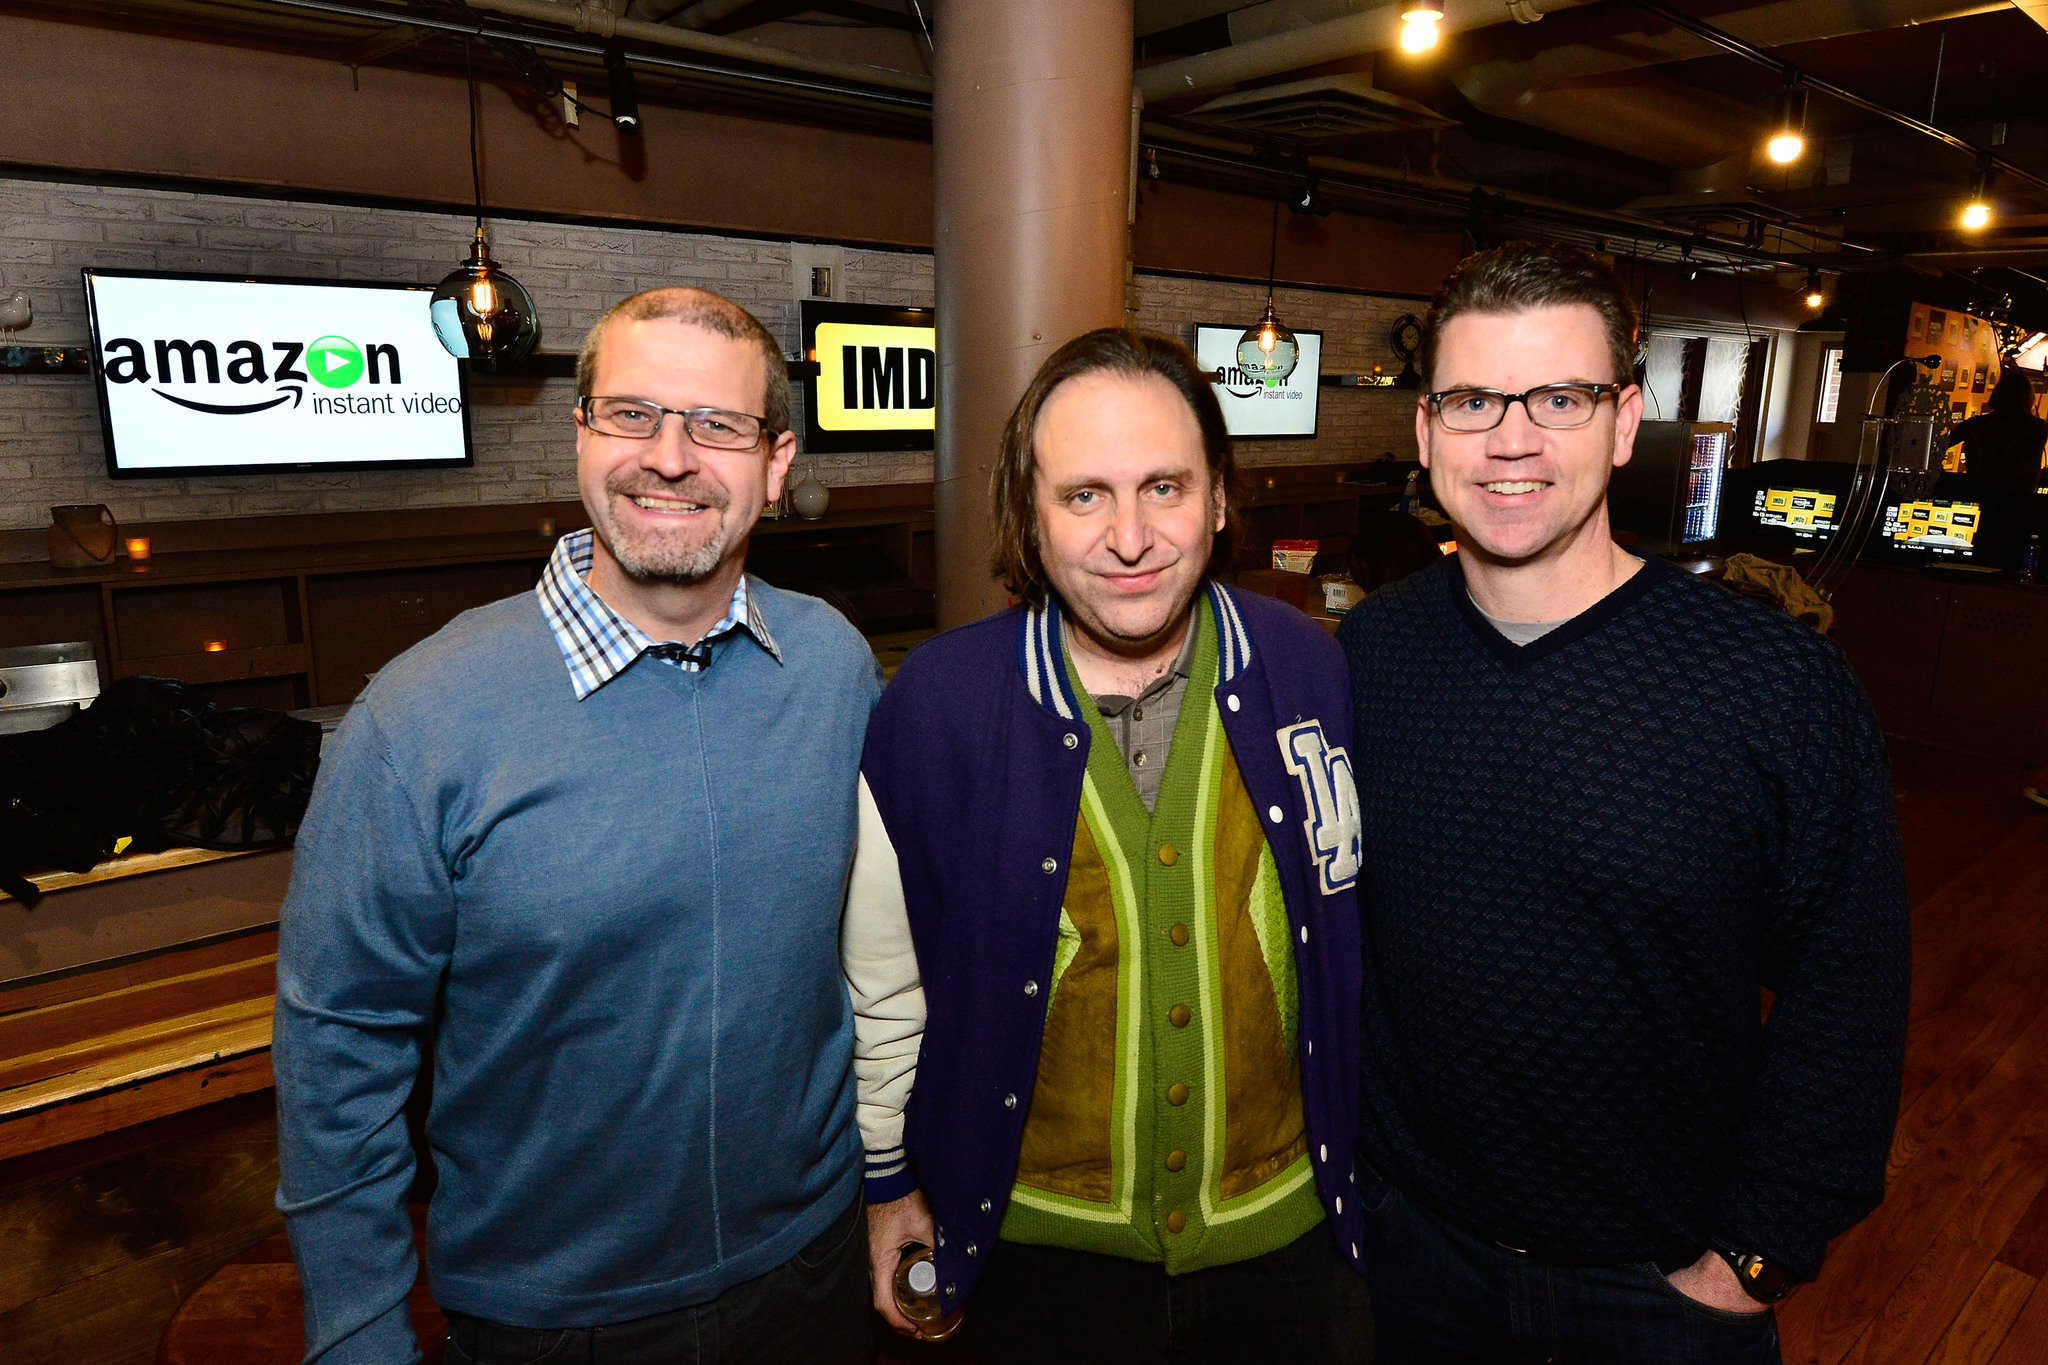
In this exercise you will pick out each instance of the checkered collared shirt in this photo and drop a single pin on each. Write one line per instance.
(598, 644)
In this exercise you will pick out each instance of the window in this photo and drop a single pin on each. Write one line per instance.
(1830, 384)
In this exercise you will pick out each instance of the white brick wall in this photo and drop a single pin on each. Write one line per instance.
(50, 445)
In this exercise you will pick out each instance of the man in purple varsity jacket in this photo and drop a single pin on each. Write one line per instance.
(1115, 1085)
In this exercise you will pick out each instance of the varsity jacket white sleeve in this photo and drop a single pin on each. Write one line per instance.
(880, 966)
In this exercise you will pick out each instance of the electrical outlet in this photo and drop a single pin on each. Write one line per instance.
(569, 109)
(410, 608)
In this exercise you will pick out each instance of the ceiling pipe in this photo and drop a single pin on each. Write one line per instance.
(1595, 88)
(591, 17)
(1372, 30)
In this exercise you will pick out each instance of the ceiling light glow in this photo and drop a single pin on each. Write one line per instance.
(1419, 23)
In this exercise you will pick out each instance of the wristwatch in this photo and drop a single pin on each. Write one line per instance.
(1765, 1281)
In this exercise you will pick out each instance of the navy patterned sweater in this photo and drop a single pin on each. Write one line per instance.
(1585, 860)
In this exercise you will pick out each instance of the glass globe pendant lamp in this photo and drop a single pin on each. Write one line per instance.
(483, 315)
(1267, 351)
(480, 313)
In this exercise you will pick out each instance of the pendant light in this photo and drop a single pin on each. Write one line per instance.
(1267, 351)
(1788, 122)
(480, 313)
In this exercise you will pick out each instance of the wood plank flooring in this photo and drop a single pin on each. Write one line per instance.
(1953, 1268)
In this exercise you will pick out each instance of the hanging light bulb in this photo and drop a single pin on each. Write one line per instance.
(483, 315)
(480, 313)
(1419, 25)
(1977, 209)
(1267, 350)
(1814, 298)
(1788, 122)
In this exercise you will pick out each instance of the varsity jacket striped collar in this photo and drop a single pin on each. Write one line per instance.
(1040, 658)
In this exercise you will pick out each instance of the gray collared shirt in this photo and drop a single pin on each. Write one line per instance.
(1142, 726)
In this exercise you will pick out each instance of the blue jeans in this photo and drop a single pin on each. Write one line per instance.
(1444, 1297)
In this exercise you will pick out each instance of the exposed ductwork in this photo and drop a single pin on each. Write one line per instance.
(1594, 86)
(1282, 49)
(595, 17)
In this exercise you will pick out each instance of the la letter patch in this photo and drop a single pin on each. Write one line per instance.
(1324, 771)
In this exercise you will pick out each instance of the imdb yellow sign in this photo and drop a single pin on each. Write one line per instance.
(875, 377)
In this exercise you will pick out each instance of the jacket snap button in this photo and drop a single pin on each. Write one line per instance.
(1304, 933)
(1051, 864)
(971, 1248)
(1072, 741)
(1231, 701)
(1031, 988)
(1340, 1209)
(1009, 1101)
(1323, 1152)
(1275, 814)
(949, 1291)
(986, 1206)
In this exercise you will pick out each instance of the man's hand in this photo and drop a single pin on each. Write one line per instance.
(893, 1226)
(1711, 1281)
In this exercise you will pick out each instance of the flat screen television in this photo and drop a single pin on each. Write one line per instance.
(1930, 530)
(223, 374)
(1250, 407)
(1795, 504)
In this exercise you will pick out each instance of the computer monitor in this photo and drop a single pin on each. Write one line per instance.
(1930, 530)
(1785, 504)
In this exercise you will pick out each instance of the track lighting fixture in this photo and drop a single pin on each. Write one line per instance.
(1307, 202)
(1788, 122)
(1420, 22)
(625, 95)
(1977, 209)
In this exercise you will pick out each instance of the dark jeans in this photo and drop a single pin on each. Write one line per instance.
(1302, 1305)
(813, 1309)
(1445, 1297)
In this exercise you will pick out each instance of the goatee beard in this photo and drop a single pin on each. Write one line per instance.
(661, 561)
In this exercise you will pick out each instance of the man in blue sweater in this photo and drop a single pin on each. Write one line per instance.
(1611, 814)
(578, 860)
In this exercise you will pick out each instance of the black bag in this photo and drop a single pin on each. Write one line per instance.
(159, 763)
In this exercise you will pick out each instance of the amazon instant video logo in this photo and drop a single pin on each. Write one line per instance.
(267, 378)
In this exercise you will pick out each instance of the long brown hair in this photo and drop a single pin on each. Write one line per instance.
(1107, 350)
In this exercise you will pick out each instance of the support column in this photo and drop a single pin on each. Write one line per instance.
(1030, 156)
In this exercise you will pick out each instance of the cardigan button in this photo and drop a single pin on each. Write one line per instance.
(1031, 988)
(1051, 864)
(1176, 1094)
(1178, 1016)
(1072, 740)
(1176, 1160)
(1168, 854)
(1179, 934)
(1176, 1222)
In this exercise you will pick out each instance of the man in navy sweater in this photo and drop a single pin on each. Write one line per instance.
(563, 854)
(1610, 812)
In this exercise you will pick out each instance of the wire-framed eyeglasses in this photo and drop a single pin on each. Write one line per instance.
(636, 419)
(1558, 407)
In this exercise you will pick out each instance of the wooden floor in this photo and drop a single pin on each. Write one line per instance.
(104, 1238)
(1953, 1268)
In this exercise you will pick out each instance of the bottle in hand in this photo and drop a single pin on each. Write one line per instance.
(917, 1293)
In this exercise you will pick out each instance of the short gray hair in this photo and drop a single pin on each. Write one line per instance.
(695, 308)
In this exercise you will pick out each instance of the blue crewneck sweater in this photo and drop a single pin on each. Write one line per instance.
(613, 924)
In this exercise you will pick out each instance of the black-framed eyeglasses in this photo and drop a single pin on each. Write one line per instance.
(1557, 407)
(636, 419)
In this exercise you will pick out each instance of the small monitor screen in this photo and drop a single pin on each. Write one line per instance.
(208, 374)
(1937, 528)
(1806, 513)
(1252, 407)
(1781, 505)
